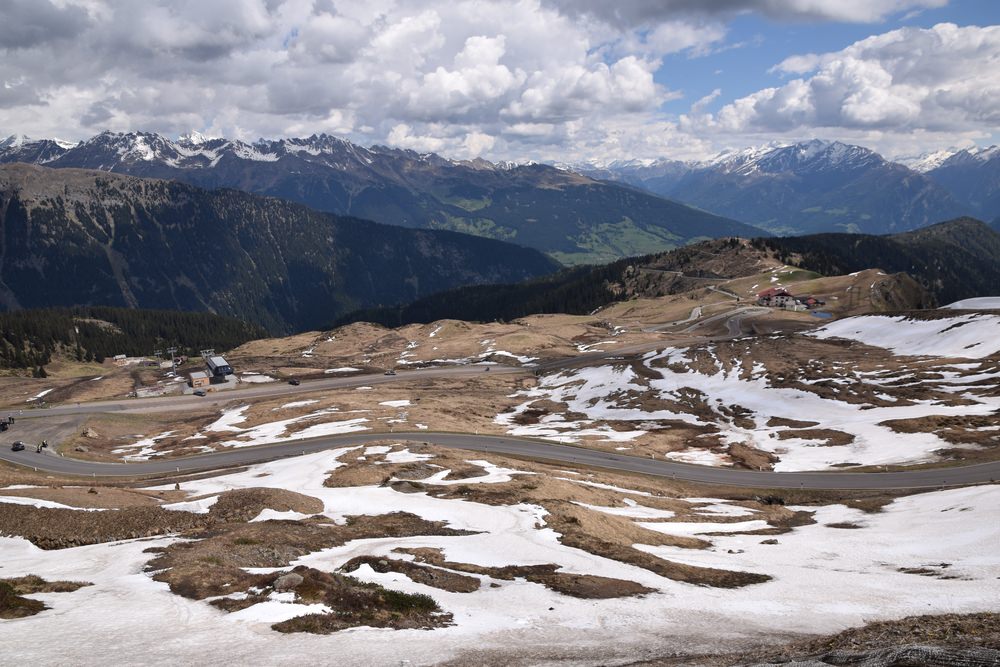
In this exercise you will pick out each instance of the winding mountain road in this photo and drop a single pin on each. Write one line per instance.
(47, 420)
(539, 450)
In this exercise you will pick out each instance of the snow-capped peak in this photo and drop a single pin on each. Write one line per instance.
(193, 138)
(14, 141)
(949, 157)
(985, 154)
(40, 151)
(813, 155)
(926, 161)
(730, 159)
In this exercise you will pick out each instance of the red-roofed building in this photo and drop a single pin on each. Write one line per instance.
(775, 297)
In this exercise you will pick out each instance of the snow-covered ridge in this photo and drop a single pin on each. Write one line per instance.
(195, 150)
(812, 155)
(949, 157)
(967, 336)
(926, 161)
(978, 303)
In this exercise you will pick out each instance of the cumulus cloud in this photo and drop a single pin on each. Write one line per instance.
(637, 12)
(30, 23)
(541, 79)
(945, 78)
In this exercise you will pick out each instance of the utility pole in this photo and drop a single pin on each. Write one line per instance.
(172, 351)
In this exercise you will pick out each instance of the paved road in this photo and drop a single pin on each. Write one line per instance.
(534, 449)
(695, 314)
(724, 292)
(735, 323)
(737, 315)
(269, 390)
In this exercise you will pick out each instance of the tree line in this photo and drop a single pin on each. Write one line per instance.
(31, 338)
(575, 291)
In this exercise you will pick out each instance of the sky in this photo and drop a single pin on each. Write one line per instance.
(546, 80)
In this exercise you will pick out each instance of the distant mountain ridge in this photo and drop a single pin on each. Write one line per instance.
(807, 187)
(82, 237)
(572, 217)
(973, 176)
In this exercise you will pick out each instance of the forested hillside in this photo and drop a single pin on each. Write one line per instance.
(579, 290)
(74, 237)
(30, 338)
(954, 260)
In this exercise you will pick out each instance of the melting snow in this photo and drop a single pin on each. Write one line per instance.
(824, 580)
(971, 336)
(298, 404)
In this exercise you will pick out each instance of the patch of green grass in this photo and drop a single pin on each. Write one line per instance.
(475, 226)
(468, 204)
(612, 240)
(799, 275)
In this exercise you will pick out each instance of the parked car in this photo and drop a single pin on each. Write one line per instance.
(294, 382)
(200, 392)
(17, 447)
(389, 372)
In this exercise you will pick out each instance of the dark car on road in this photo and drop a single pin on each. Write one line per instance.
(294, 382)
(389, 372)
(200, 392)
(17, 447)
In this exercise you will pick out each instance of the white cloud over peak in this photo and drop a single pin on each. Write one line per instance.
(940, 79)
(539, 79)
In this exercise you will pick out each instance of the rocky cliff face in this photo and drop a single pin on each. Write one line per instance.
(85, 237)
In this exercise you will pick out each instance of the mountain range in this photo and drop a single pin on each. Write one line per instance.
(84, 237)
(819, 186)
(571, 217)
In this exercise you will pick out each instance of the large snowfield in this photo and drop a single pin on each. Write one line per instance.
(824, 579)
(606, 398)
(971, 336)
(977, 303)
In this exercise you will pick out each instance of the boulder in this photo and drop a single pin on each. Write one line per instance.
(405, 486)
(90, 433)
(287, 582)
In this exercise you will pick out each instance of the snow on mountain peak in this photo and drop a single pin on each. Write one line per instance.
(951, 157)
(735, 158)
(927, 161)
(986, 154)
(194, 138)
(14, 141)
